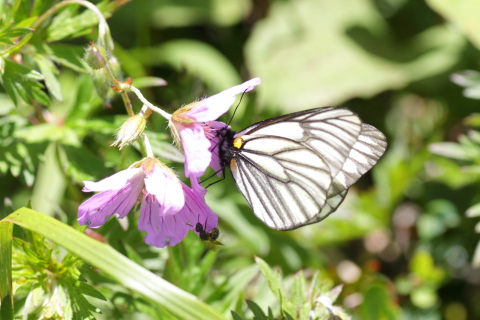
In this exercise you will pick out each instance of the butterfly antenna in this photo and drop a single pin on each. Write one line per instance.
(241, 97)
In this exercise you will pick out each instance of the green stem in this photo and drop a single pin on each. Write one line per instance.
(140, 96)
(103, 29)
(123, 94)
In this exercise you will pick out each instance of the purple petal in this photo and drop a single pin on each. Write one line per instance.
(161, 229)
(213, 107)
(167, 190)
(114, 182)
(196, 210)
(195, 146)
(95, 211)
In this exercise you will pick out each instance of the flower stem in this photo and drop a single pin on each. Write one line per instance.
(164, 114)
(123, 94)
(148, 147)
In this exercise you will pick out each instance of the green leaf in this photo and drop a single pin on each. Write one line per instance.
(316, 53)
(118, 267)
(6, 293)
(49, 71)
(298, 291)
(14, 32)
(19, 80)
(462, 14)
(66, 55)
(174, 13)
(89, 290)
(81, 164)
(274, 279)
(235, 316)
(196, 57)
(257, 311)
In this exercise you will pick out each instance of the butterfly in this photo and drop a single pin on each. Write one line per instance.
(296, 169)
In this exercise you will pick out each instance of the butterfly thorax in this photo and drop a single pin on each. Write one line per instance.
(226, 148)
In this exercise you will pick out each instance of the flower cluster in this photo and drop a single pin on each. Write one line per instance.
(168, 207)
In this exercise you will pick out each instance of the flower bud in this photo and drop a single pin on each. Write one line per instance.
(115, 67)
(130, 131)
(95, 56)
(101, 83)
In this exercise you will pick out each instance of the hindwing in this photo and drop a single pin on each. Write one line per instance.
(284, 182)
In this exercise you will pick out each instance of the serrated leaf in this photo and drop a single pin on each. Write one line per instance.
(88, 290)
(298, 291)
(257, 311)
(288, 316)
(235, 316)
(15, 32)
(19, 80)
(274, 279)
(50, 72)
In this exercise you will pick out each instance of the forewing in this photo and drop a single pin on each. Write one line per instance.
(284, 182)
(330, 132)
(365, 153)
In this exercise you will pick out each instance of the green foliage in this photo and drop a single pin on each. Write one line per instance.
(302, 304)
(402, 225)
(51, 281)
(334, 47)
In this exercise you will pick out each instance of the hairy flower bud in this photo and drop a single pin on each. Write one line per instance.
(95, 56)
(130, 131)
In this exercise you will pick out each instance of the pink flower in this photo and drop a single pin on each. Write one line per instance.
(169, 208)
(194, 129)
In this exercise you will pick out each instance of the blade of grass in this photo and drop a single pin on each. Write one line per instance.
(180, 303)
(6, 296)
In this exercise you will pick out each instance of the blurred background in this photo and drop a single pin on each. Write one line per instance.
(403, 243)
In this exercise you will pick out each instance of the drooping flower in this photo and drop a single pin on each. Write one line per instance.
(168, 208)
(194, 127)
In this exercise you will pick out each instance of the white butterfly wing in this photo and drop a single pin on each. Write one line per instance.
(329, 132)
(365, 153)
(296, 169)
(284, 182)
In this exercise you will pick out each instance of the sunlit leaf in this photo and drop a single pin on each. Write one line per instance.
(316, 53)
(49, 71)
(20, 81)
(463, 14)
(196, 57)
